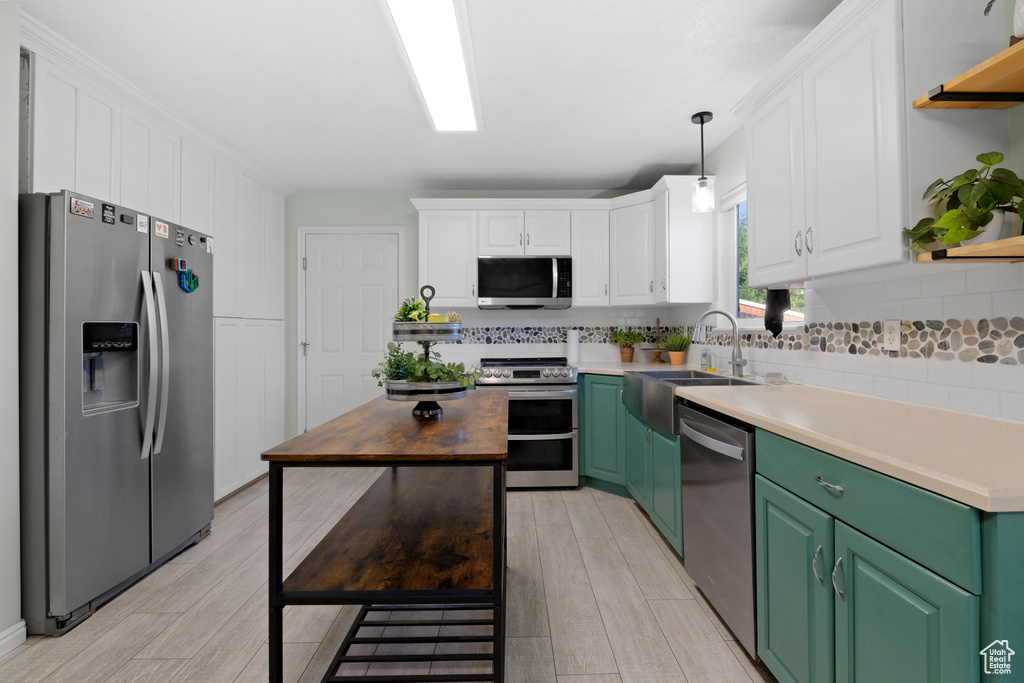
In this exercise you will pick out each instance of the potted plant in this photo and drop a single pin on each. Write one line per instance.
(414, 322)
(408, 377)
(625, 339)
(676, 345)
(968, 204)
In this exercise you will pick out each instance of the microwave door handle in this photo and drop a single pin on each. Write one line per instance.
(554, 278)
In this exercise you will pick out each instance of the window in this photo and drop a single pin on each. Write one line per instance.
(748, 303)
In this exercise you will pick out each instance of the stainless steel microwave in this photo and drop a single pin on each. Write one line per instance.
(524, 282)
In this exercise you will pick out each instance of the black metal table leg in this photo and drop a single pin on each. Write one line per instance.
(276, 522)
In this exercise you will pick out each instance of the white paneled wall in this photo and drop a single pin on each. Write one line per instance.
(96, 134)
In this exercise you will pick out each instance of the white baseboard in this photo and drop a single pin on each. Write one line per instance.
(12, 637)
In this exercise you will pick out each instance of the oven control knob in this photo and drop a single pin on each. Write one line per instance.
(565, 372)
(507, 373)
(487, 373)
(545, 372)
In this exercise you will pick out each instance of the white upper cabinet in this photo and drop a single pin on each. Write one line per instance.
(590, 257)
(683, 255)
(447, 247)
(548, 233)
(836, 156)
(502, 233)
(76, 134)
(631, 261)
(515, 233)
(150, 165)
(197, 187)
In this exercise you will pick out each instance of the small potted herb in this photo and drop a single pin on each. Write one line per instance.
(968, 204)
(625, 339)
(676, 345)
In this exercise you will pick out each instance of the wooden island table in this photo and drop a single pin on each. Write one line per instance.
(430, 532)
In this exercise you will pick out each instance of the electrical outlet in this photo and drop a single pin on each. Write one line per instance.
(891, 335)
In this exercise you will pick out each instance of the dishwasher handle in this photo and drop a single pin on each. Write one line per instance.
(726, 449)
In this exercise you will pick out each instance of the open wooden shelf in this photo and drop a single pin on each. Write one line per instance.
(1009, 250)
(996, 83)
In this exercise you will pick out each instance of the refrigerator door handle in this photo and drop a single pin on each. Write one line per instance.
(147, 428)
(165, 361)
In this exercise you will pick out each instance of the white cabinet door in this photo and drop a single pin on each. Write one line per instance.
(589, 258)
(682, 244)
(273, 255)
(631, 259)
(251, 247)
(75, 134)
(225, 246)
(273, 384)
(548, 233)
(226, 474)
(150, 166)
(197, 188)
(853, 158)
(775, 190)
(448, 256)
(501, 233)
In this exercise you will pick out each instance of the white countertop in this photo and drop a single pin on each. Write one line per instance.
(978, 461)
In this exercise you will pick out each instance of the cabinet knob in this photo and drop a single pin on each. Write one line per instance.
(798, 243)
(809, 241)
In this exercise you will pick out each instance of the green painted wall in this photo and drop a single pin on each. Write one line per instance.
(319, 208)
(12, 631)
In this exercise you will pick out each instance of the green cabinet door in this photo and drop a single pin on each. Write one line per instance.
(793, 557)
(666, 488)
(638, 460)
(897, 621)
(603, 429)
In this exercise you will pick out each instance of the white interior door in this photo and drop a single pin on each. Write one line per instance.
(351, 295)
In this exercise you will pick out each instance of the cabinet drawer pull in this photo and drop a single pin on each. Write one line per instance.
(834, 570)
(830, 487)
(798, 243)
(520, 239)
(652, 286)
(814, 565)
(606, 289)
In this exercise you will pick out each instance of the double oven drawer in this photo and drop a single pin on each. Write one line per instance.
(543, 442)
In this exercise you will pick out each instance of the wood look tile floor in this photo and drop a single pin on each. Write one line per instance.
(595, 595)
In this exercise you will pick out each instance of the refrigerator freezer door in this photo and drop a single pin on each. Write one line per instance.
(182, 461)
(98, 485)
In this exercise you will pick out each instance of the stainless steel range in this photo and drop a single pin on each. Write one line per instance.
(543, 442)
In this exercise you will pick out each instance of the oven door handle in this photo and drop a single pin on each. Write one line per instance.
(542, 437)
(516, 395)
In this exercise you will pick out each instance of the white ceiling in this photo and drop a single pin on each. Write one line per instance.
(575, 94)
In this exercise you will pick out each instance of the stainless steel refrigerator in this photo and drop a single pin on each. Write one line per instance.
(116, 357)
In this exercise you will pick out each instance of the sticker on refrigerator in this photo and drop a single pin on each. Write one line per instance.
(209, 245)
(109, 214)
(80, 207)
(161, 229)
(142, 224)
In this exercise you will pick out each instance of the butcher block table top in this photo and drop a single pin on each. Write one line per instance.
(471, 429)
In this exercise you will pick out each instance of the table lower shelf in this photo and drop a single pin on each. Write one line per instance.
(423, 643)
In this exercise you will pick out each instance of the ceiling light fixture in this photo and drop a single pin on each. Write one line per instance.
(703, 187)
(430, 34)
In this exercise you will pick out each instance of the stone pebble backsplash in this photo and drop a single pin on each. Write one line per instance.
(986, 340)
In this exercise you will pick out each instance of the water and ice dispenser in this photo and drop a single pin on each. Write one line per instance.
(110, 366)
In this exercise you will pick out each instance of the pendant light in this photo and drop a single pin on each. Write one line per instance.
(703, 187)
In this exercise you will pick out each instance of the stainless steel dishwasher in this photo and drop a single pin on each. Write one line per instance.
(717, 478)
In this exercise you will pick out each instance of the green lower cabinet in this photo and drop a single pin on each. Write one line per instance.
(666, 488)
(897, 621)
(653, 477)
(638, 460)
(795, 614)
(603, 429)
(836, 605)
